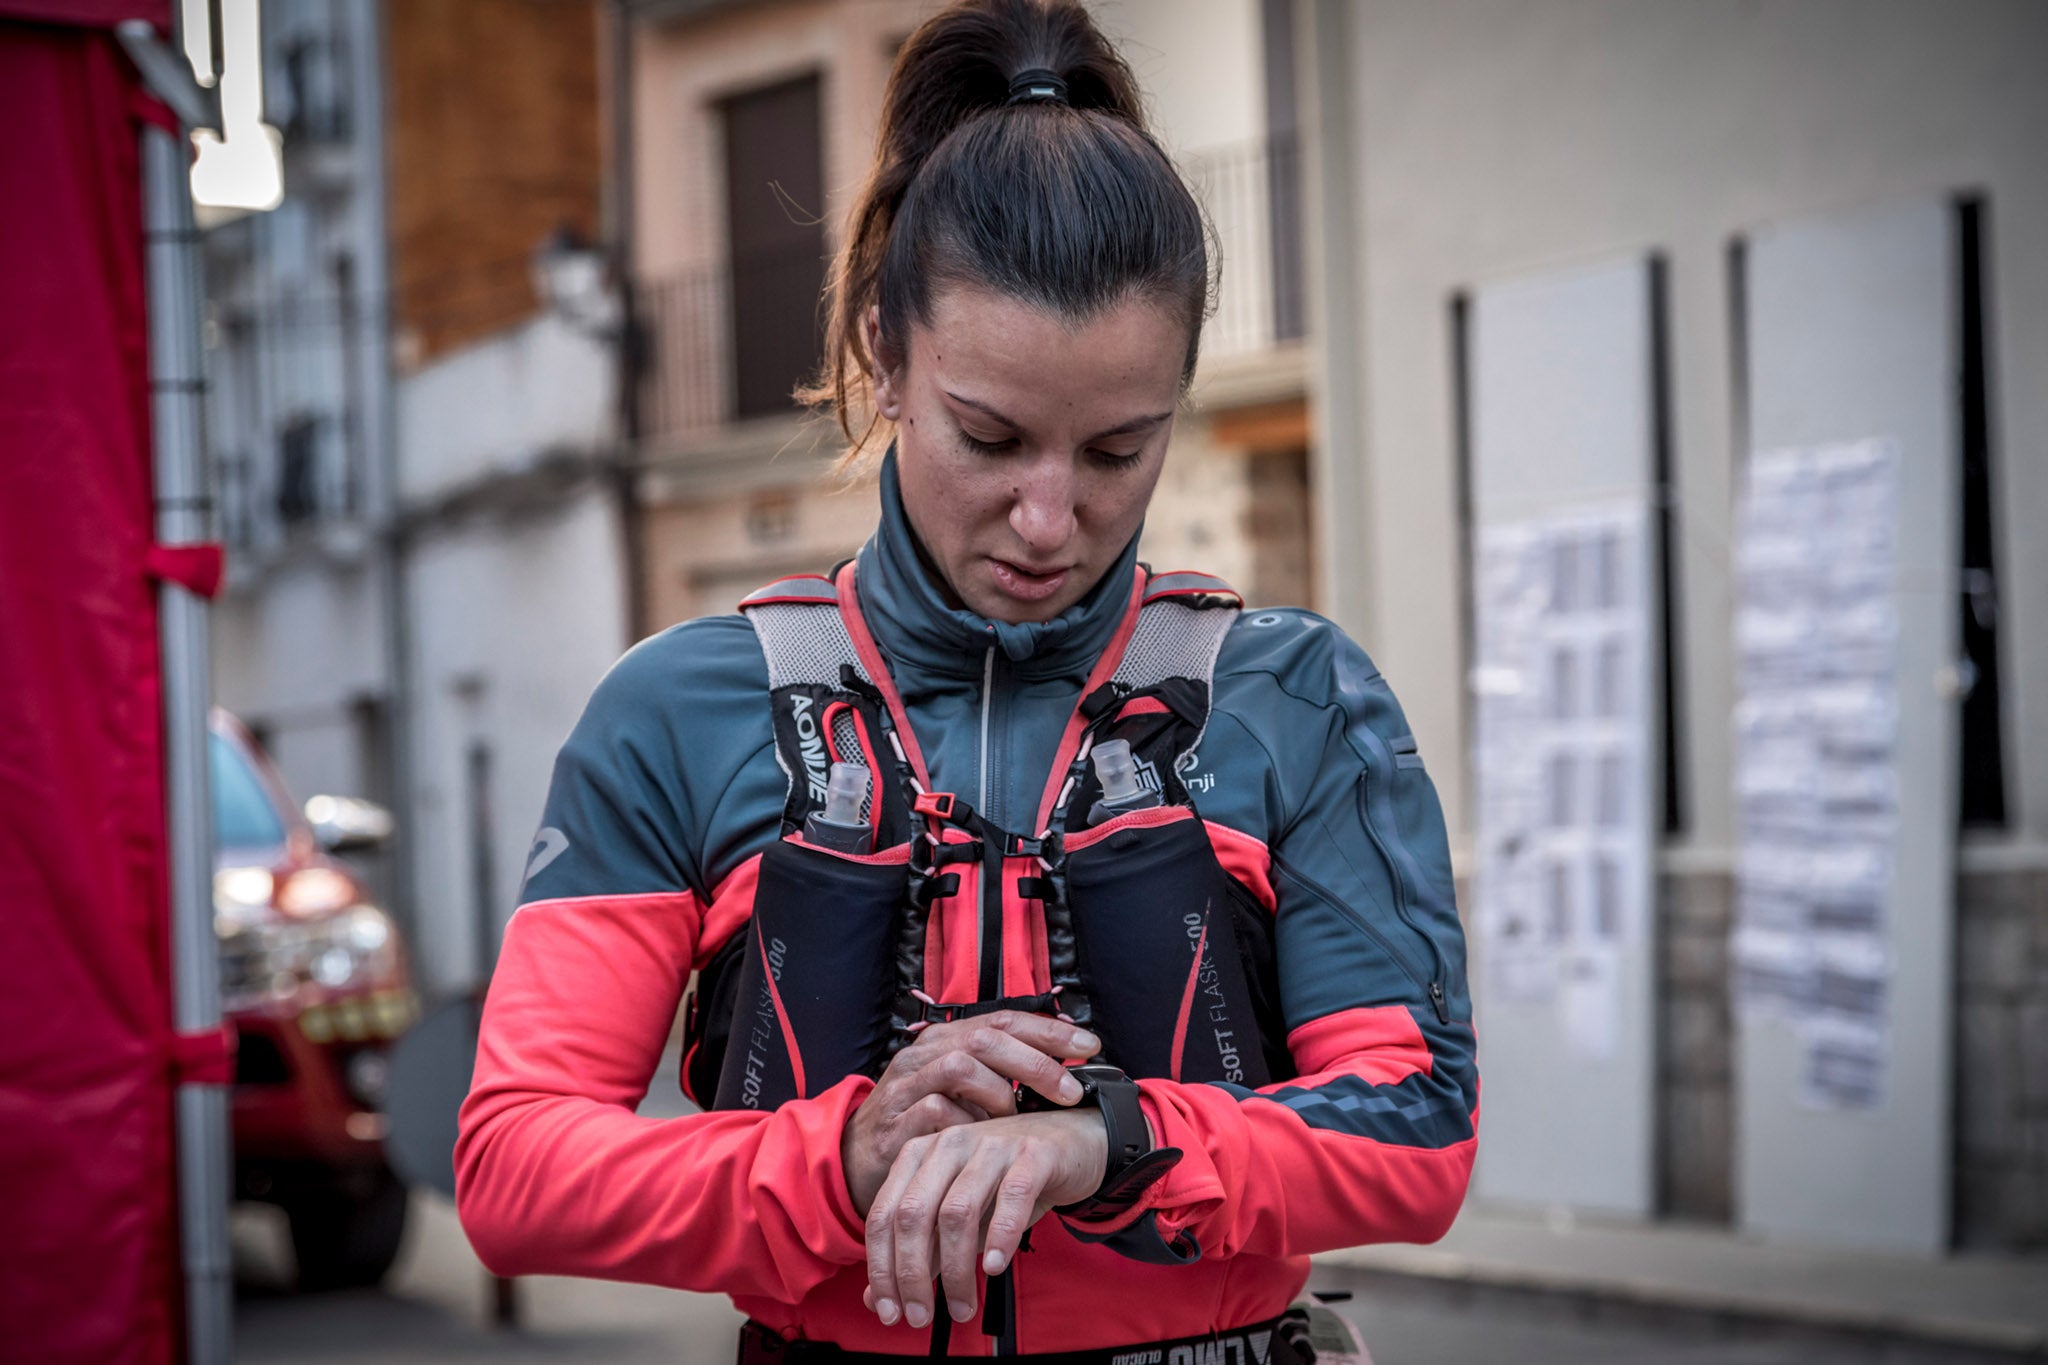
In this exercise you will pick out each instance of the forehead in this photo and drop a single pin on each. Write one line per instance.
(1035, 364)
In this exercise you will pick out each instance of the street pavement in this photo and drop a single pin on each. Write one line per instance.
(435, 1306)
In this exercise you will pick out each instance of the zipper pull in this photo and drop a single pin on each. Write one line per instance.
(1436, 997)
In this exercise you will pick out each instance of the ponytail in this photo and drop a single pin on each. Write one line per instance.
(1013, 155)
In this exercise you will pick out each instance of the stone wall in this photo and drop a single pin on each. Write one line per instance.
(2001, 1056)
(1695, 1046)
(2001, 1076)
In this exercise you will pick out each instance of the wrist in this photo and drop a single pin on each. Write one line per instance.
(1132, 1161)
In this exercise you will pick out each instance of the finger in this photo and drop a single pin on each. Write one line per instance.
(1056, 1038)
(962, 1215)
(962, 1075)
(1016, 1205)
(881, 1241)
(913, 1222)
(1021, 1062)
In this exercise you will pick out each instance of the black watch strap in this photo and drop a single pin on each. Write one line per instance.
(1133, 1165)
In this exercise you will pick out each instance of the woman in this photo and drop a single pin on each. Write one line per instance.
(928, 829)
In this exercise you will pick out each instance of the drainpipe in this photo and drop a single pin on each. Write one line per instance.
(1325, 30)
(630, 353)
(380, 427)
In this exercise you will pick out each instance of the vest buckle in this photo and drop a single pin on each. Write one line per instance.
(939, 806)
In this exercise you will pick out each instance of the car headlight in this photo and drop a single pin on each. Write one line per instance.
(339, 952)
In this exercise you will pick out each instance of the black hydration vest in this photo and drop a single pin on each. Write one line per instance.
(1147, 940)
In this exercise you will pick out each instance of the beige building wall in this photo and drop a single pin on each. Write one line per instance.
(1199, 63)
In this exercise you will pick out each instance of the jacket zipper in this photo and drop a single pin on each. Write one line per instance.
(988, 933)
(1401, 871)
(988, 681)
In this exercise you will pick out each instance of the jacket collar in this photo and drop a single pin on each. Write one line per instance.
(913, 625)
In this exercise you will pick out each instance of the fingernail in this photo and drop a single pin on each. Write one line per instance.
(886, 1311)
(993, 1263)
(1085, 1043)
(918, 1314)
(1070, 1089)
(961, 1311)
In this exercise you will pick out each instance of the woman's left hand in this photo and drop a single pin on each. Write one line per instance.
(958, 1202)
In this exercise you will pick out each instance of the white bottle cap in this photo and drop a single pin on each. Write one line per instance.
(1116, 771)
(845, 789)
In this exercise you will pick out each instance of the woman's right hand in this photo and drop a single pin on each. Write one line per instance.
(957, 1072)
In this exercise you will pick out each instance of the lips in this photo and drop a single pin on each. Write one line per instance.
(1026, 585)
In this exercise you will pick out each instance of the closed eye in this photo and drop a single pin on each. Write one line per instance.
(1002, 447)
(1114, 459)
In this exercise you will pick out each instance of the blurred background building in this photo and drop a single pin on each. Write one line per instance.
(418, 457)
(504, 384)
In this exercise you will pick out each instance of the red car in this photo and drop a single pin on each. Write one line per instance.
(315, 979)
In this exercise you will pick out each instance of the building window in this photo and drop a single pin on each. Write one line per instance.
(298, 471)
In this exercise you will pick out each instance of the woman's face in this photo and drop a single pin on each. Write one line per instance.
(1027, 447)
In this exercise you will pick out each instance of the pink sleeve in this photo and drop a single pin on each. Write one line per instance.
(555, 1173)
(1372, 1143)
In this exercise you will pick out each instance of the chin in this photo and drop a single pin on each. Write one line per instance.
(998, 607)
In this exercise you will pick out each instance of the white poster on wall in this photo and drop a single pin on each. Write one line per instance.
(1560, 761)
(1816, 765)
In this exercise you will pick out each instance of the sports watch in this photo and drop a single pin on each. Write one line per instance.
(1133, 1165)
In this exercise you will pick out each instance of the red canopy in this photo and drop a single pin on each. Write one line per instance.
(88, 1262)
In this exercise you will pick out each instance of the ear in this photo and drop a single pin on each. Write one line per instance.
(888, 368)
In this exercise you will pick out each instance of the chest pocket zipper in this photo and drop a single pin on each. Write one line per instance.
(1385, 760)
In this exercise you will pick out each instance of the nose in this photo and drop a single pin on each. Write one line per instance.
(1043, 504)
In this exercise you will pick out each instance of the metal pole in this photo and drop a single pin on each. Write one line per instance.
(630, 352)
(176, 413)
(380, 426)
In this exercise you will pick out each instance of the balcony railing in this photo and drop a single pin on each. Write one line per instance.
(685, 322)
(709, 362)
(1253, 197)
(729, 341)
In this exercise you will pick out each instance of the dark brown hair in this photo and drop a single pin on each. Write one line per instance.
(1066, 203)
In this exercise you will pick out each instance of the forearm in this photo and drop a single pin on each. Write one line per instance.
(1374, 1144)
(556, 1174)
(731, 1201)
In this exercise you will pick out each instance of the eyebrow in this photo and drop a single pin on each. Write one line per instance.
(1121, 429)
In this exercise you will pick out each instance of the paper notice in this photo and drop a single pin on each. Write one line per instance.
(1560, 686)
(1816, 771)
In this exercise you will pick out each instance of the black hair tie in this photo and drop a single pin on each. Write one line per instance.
(1037, 84)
